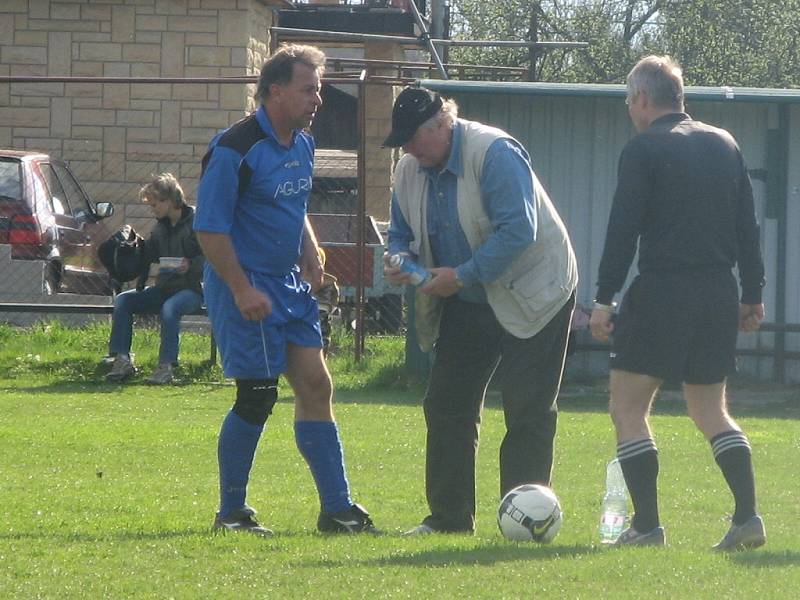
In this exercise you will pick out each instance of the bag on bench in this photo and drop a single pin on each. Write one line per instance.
(123, 255)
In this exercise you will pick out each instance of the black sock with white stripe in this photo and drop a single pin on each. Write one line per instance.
(639, 462)
(732, 452)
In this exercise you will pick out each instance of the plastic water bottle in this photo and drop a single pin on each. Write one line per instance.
(419, 275)
(615, 504)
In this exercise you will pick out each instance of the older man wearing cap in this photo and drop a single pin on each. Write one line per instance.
(467, 206)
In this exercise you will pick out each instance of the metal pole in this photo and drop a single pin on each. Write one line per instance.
(319, 34)
(781, 245)
(512, 43)
(428, 41)
(411, 41)
(437, 13)
(358, 338)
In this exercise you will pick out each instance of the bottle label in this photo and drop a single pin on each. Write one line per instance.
(611, 526)
(613, 521)
(418, 274)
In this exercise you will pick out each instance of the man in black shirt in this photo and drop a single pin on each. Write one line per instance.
(684, 194)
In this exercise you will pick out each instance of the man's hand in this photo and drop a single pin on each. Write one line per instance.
(310, 262)
(252, 303)
(184, 266)
(601, 324)
(444, 283)
(750, 316)
(311, 269)
(394, 275)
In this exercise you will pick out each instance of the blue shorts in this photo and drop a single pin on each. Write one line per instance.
(257, 349)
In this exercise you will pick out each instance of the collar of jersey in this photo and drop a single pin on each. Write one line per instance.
(266, 126)
(671, 118)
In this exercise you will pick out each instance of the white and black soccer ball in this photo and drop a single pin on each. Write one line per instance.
(530, 512)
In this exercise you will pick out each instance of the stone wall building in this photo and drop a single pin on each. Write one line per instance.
(115, 135)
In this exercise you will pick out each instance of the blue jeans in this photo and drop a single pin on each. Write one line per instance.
(152, 302)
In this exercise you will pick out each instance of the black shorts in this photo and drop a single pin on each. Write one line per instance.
(678, 327)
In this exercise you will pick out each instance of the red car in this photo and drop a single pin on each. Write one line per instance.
(46, 215)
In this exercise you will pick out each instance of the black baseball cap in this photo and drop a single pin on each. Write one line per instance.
(412, 108)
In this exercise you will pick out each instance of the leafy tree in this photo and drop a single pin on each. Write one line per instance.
(618, 31)
(735, 42)
(718, 42)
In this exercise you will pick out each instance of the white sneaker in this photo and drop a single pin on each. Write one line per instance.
(162, 375)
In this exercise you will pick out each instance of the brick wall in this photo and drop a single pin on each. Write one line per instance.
(380, 99)
(116, 135)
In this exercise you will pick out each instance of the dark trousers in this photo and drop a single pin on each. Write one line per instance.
(471, 346)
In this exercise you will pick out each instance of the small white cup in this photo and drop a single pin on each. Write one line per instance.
(168, 264)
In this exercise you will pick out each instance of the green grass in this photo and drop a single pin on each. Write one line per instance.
(108, 491)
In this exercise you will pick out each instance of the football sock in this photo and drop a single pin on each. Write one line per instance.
(639, 462)
(732, 452)
(319, 443)
(238, 440)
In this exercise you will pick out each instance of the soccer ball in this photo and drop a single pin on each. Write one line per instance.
(529, 512)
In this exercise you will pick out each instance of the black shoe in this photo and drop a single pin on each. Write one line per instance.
(353, 520)
(241, 521)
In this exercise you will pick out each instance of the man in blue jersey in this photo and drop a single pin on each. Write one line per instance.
(262, 265)
(467, 206)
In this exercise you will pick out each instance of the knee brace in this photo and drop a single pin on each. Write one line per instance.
(255, 399)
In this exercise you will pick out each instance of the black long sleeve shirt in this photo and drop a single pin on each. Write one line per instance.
(684, 194)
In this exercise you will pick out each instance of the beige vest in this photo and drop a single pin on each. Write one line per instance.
(529, 293)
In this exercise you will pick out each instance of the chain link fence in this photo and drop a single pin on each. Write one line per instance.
(69, 179)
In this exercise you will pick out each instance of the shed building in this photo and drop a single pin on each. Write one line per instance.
(575, 133)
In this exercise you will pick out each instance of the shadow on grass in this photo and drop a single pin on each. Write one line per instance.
(760, 559)
(573, 398)
(484, 555)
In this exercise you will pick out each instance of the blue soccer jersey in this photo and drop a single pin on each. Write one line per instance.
(256, 190)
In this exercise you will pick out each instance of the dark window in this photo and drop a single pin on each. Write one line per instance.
(58, 198)
(75, 196)
(10, 181)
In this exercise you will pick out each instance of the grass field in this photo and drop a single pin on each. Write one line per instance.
(108, 491)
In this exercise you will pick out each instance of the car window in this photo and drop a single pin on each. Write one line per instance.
(10, 181)
(75, 196)
(59, 200)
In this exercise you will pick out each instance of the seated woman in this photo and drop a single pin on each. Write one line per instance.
(177, 289)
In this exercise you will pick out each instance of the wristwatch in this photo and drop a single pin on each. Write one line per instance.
(609, 308)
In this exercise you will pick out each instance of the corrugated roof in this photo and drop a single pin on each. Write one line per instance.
(718, 94)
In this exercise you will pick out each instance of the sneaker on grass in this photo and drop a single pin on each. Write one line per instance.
(421, 529)
(241, 521)
(353, 520)
(121, 369)
(631, 537)
(162, 375)
(750, 534)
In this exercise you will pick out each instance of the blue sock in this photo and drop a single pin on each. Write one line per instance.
(319, 443)
(238, 440)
